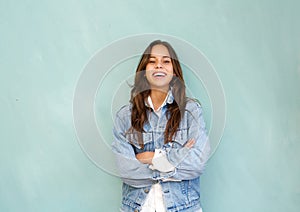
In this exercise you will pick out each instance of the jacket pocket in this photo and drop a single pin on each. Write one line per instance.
(190, 189)
(180, 138)
(133, 197)
(194, 189)
(132, 138)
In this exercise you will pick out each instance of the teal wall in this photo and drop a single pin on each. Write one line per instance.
(254, 46)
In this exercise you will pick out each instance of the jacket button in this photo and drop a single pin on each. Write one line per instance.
(146, 190)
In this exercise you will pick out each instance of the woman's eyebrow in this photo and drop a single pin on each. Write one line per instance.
(165, 56)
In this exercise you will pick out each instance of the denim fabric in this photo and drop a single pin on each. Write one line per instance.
(182, 195)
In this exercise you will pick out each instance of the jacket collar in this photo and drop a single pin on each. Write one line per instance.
(169, 100)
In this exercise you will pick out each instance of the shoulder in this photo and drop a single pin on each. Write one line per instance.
(123, 118)
(193, 104)
(194, 111)
(124, 111)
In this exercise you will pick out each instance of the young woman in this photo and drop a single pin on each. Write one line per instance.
(161, 145)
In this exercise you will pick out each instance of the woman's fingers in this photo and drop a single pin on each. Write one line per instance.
(190, 143)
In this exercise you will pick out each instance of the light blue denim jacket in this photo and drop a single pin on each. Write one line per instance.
(181, 195)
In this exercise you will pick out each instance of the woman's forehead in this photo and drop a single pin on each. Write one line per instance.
(160, 50)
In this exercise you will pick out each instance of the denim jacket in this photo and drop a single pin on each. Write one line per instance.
(181, 187)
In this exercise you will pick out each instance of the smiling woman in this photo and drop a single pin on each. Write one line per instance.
(159, 70)
(161, 144)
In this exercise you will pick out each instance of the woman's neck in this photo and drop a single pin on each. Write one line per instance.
(158, 97)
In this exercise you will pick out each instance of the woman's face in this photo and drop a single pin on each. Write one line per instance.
(159, 70)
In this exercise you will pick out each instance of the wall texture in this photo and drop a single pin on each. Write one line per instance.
(254, 47)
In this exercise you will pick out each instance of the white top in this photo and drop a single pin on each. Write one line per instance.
(154, 201)
(160, 161)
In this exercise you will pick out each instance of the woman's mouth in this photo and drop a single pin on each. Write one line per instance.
(159, 74)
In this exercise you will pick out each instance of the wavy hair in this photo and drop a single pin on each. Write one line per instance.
(141, 90)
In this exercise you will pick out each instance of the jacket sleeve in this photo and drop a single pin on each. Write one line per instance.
(190, 163)
(131, 171)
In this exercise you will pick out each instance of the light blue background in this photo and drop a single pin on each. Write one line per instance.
(254, 47)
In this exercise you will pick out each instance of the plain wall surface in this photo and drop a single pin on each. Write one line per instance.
(254, 47)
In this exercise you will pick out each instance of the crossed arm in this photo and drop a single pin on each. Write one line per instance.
(146, 157)
(185, 162)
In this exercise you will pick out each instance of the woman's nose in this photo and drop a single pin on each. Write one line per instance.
(158, 64)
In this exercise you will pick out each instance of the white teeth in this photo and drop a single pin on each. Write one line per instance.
(159, 74)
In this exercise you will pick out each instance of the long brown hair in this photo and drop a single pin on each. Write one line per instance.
(141, 90)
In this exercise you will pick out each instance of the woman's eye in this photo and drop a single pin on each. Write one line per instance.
(167, 61)
(151, 61)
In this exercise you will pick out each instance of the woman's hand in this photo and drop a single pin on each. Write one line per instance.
(145, 157)
(190, 143)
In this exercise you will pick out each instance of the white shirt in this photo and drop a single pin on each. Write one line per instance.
(154, 201)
